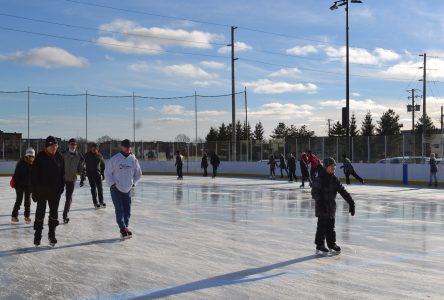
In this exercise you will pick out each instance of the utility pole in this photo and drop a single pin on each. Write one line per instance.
(424, 102)
(134, 121)
(247, 129)
(329, 120)
(86, 121)
(413, 107)
(29, 142)
(233, 97)
(442, 144)
(195, 114)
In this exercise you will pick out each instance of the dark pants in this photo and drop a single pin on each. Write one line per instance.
(347, 177)
(205, 171)
(272, 171)
(282, 174)
(69, 190)
(53, 203)
(325, 230)
(292, 174)
(313, 173)
(122, 206)
(306, 178)
(18, 202)
(214, 171)
(95, 182)
(179, 171)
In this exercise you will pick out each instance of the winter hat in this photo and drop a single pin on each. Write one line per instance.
(329, 161)
(72, 141)
(50, 140)
(30, 152)
(93, 145)
(126, 143)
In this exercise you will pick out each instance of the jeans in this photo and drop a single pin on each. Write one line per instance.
(353, 173)
(214, 171)
(205, 171)
(282, 174)
(53, 222)
(69, 190)
(122, 206)
(292, 174)
(95, 182)
(325, 230)
(433, 176)
(179, 171)
(272, 171)
(18, 202)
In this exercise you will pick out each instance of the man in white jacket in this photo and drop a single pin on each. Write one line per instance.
(122, 172)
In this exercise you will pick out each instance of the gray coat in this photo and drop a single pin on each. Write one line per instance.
(74, 164)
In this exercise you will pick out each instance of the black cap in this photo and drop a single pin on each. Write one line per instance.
(72, 141)
(93, 145)
(50, 140)
(126, 143)
(329, 161)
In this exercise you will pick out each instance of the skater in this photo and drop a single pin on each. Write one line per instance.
(122, 174)
(47, 180)
(215, 163)
(21, 182)
(324, 191)
(292, 168)
(204, 164)
(95, 170)
(433, 169)
(272, 163)
(74, 164)
(349, 170)
(179, 165)
(283, 165)
(315, 164)
(305, 175)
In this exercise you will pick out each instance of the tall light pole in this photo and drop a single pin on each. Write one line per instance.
(335, 6)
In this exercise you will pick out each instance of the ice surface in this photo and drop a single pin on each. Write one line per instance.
(230, 238)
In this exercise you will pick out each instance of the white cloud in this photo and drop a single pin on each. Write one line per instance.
(180, 110)
(355, 105)
(238, 47)
(187, 70)
(109, 58)
(286, 72)
(284, 111)
(172, 109)
(139, 67)
(361, 55)
(170, 120)
(143, 40)
(355, 94)
(212, 64)
(302, 50)
(266, 86)
(46, 57)
(411, 70)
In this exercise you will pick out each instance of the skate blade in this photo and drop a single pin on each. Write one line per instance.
(321, 253)
(334, 253)
(125, 237)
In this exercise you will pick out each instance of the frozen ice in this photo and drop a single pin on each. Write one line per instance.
(230, 238)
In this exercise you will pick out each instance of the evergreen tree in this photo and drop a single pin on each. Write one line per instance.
(223, 135)
(430, 127)
(280, 132)
(367, 127)
(212, 135)
(337, 130)
(258, 134)
(246, 132)
(389, 124)
(238, 130)
(353, 127)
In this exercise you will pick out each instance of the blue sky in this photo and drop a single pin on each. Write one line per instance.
(295, 76)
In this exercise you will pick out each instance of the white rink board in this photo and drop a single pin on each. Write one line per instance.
(230, 238)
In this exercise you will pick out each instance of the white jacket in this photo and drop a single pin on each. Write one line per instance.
(123, 171)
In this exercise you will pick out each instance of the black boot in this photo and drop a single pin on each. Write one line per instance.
(321, 249)
(38, 227)
(52, 224)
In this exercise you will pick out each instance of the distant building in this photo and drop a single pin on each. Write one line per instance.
(9, 136)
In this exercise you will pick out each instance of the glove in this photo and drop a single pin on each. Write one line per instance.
(12, 183)
(352, 210)
(82, 183)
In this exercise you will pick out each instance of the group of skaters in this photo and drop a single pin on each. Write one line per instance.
(214, 161)
(310, 165)
(45, 176)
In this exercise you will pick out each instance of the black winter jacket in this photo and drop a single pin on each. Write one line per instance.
(324, 190)
(22, 175)
(291, 163)
(95, 165)
(215, 161)
(48, 175)
(204, 163)
(304, 168)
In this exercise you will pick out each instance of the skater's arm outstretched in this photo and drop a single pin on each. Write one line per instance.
(347, 197)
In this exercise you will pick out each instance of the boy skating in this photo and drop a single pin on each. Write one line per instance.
(21, 182)
(272, 163)
(291, 162)
(305, 175)
(215, 162)
(74, 164)
(324, 191)
(349, 170)
(179, 165)
(95, 168)
(48, 181)
(122, 174)
(204, 164)
(282, 165)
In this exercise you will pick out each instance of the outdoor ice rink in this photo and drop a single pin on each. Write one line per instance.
(230, 238)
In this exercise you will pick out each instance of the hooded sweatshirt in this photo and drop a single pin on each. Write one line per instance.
(123, 171)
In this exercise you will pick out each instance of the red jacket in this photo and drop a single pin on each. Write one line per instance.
(314, 161)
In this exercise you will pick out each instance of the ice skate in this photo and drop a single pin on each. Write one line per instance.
(28, 220)
(65, 220)
(125, 234)
(102, 205)
(97, 206)
(14, 220)
(52, 241)
(335, 249)
(322, 250)
(37, 238)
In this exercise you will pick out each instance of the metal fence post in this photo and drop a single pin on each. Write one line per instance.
(110, 150)
(297, 146)
(309, 143)
(262, 150)
(403, 148)
(385, 146)
(337, 148)
(3, 141)
(353, 149)
(368, 149)
(323, 148)
(216, 147)
(229, 151)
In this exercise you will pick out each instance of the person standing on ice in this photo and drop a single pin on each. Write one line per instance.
(21, 182)
(179, 165)
(433, 169)
(48, 182)
(292, 168)
(324, 190)
(272, 163)
(349, 170)
(204, 164)
(122, 173)
(95, 170)
(282, 165)
(315, 164)
(215, 163)
(305, 175)
(74, 164)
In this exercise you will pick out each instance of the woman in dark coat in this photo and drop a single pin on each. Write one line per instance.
(304, 169)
